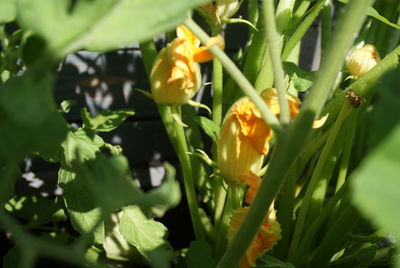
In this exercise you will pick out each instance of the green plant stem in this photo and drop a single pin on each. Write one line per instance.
(219, 191)
(334, 237)
(364, 85)
(220, 198)
(176, 135)
(348, 145)
(149, 54)
(284, 12)
(239, 78)
(224, 224)
(315, 181)
(300, 11)
(285, 207)
(187, 176)
(326, 26)
(301, 29)
(333, 62)
(217, 92)
(217, 88)
(295, 138)
(275, 53)
(316, 224)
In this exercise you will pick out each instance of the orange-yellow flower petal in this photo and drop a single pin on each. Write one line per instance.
(253, 182)
(270, 96)
(243, 140)
(175, 77)
(266, 237)
(200, 53)
(203, 54)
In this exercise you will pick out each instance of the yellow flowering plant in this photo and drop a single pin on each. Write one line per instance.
(287, 165)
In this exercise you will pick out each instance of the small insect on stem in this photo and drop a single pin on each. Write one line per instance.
(354, 99)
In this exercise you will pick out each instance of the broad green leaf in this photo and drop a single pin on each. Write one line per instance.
(376, 182)
(209, 127)
(168, 195)
(110, 182)
(7, 10)
(105, 121)
(145, 234)
(200, 255)
(115, 245)
(80, 145)
(267, 261)
(375, 14)
(36, 210)
(302, 80)
(81, 206)
(100, 24)
(29, 118)
(385, 115)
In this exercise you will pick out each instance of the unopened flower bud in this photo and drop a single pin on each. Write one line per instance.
(244, 137)
(362, 60)
(243, 141)
(175, 77)
(226, 8)
(217, 12)
(267, 236)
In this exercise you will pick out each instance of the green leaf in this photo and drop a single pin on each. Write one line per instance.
(11, 258)
(115, 245)
(302, 80)
(145, 234)
(37, 210)
(80, 145)
(200, 255)
(66, 105)
(376, 182)
(29, 121)
(383, 118)
(110, 182)
(8, 10)
(375, 14)
(267, 261)
(105, 121)
(209, 127)
(100, 24)
(81, 206)
(168, 195)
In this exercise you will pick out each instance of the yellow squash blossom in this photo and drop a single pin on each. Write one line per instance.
(267, 236)
(175, 76)
(244, 137)
(362, 60)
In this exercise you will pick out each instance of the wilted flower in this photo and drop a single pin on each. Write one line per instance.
(244, 137)
(175, 76)
(362, 60)
(267, 236)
